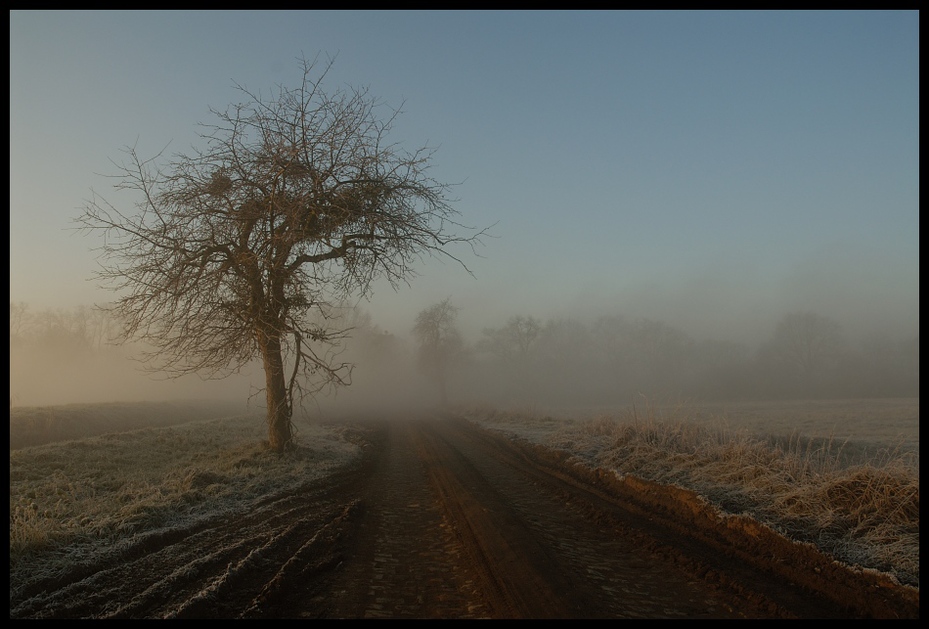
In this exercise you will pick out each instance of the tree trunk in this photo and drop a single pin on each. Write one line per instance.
(443, 386)
(280, 429)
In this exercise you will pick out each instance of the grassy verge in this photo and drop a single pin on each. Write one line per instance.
(72, 499)
(859, 504)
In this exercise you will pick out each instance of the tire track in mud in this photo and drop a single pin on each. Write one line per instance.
(214, 568)
(735, 554)
(442, 519)
(406, 561)
(452, 530)
(544, 558)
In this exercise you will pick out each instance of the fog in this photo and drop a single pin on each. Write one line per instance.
(708, 332)
(665, 192)
(709, 338)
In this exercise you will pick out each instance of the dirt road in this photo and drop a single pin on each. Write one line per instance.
(443, 520)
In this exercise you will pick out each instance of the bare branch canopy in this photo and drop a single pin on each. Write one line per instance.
(236, 251)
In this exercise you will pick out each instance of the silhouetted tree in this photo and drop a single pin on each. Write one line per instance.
(802, 356)
(513, 341)
(19, 320)
(808, 342)
(236, 250)
(440, 343)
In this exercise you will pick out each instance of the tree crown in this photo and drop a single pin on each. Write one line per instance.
(294, 202)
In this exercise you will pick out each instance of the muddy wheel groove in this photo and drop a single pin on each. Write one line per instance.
(441, 518)
(497, 541)
(802, 581)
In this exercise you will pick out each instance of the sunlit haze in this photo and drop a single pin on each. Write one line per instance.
(710, 170)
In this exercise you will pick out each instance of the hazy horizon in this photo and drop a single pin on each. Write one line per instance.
(710, 170)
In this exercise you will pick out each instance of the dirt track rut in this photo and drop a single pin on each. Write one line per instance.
(443, 520)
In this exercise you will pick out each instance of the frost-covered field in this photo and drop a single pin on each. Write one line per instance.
(72, 501)
(880, 423)
(843, 475)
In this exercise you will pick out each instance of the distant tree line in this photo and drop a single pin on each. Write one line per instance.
(616, 358)
(565, 361)
(66, 330)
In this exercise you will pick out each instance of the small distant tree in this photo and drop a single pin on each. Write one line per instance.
(19, 321)
(440, 343)
(802, 357)
(807, 343)
(513, 341)
(234, 251)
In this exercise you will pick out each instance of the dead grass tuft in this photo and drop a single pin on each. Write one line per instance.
(858, 503)
(71, 500)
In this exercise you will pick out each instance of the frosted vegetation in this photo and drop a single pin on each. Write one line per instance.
(75, 501)
(849, 484)
(856, 499)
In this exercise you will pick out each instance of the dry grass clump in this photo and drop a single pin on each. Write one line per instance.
(864, 513)
(859, 504)
(71, 499)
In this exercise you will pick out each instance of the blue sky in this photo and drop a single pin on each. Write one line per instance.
(712, 170)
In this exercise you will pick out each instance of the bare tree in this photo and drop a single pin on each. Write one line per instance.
(440, 342)
(235, 251)
(809, 343)
(19, 321)
(513, 341)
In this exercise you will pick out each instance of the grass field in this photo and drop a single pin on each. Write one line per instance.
(71, 501)
(843, 475)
